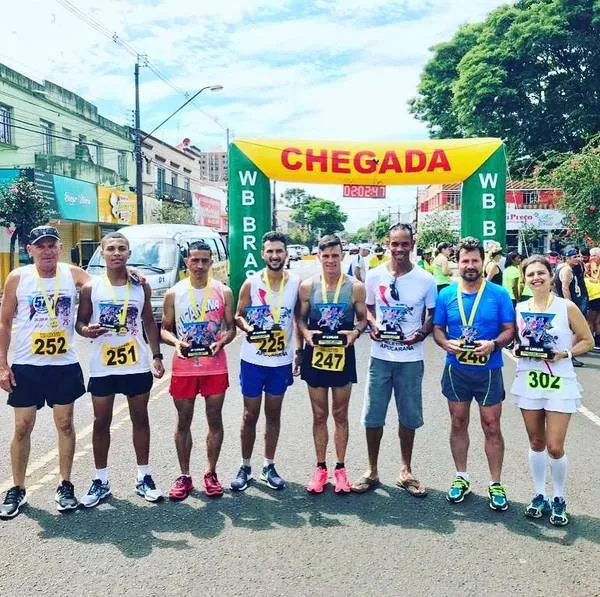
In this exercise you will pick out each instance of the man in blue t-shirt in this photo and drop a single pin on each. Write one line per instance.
(473, 321)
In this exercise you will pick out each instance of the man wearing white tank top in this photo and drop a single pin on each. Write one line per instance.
(114, 314)
(265, 313)
(40, 300)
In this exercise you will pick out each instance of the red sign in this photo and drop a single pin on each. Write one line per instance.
(364, 190)
(207, 211)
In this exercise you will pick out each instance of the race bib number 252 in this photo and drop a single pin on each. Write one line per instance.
(49, 344)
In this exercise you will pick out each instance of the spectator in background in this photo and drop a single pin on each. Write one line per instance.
(379, 257)
(511, 276)
(361, 266)
(441, 270)
(493, 273)
(592, 283)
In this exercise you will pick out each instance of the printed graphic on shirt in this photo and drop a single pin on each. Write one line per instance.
(38, 309)
(535, 328)
(332, 315)
(261, 318)
(110, 316)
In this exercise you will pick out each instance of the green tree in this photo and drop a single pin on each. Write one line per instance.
(380, 229)
(437, 228)
(362, 235)
(578, 176)
(176, 213)
(320, 214)
(23, 206)
(295, 197)
(529, 74)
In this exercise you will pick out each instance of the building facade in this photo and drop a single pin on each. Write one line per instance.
(533, 222)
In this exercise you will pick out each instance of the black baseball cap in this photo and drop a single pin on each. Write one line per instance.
(41, 232)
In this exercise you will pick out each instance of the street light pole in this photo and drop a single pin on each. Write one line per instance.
(139, 195)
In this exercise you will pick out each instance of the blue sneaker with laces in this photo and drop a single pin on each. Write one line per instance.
(271, 477)
(458, 490)
(538, 507)
(242, 479)
(497, 495)
(559, 516)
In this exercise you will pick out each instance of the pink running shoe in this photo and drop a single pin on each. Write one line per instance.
(342, 484)
(212, 487)
(318, 481)
(182, 487)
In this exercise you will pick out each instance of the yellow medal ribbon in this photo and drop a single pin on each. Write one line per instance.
(195, 302)
(50, 307)
(461, 308)
(338, 287)
(531, 303)
(122, 316)
(277, 312)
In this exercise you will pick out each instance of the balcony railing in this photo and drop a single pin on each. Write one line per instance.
(76, 168)
(169, 192)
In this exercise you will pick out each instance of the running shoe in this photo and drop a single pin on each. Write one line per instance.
(212, 487)
(148, 490)
(14, 499)
(318, 480)
(559, 516)
(65, 497)
(242, 479)
(458, 490)
(342, 484)
(97, 492)
(538, 507)
(271, 477)
(497, 495)
(182, 487)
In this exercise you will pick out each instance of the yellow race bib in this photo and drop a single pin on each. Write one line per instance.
(274, 344)
(468, 357)
(329, 358)
(49, 344)
(122, 355)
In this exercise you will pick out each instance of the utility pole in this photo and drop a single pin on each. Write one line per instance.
(139, 195)
(274, 206)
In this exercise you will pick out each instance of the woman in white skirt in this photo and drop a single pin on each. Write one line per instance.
(546, 389)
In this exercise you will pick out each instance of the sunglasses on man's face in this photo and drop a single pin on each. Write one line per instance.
(394, 291)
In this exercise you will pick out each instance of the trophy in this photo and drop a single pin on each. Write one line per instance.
(261, 320)
(199, 337)
(332, 315)
(391, 323)
(467, 338)
(110, 319)
(536, 333)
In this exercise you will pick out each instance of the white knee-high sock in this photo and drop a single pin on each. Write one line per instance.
(537, 465)
(558, 470)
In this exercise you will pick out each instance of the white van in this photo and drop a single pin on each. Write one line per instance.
(157, 250)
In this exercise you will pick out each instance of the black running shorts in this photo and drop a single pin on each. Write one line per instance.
(130, 385)
(46, 384)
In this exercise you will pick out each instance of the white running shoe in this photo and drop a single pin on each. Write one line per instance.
(148, 490)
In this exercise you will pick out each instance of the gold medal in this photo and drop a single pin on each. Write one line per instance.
(122, 331)
(122, 315)
(54, 323)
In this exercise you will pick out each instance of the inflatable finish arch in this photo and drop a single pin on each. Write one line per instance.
(479, 164)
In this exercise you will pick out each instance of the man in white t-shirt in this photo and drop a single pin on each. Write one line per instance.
(400, 301)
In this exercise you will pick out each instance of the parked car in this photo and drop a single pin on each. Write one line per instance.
(300, 250)
(293, 255)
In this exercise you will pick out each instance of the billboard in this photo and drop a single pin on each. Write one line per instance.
(207, 211)
(75, 199)
(116, 207)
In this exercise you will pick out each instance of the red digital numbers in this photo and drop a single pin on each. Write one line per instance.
(364, 190)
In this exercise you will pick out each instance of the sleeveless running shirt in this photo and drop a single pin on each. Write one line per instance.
(187, 316)
(115, 353)
(260, 314)
(549, 329)
(323, 314)
(34, 340)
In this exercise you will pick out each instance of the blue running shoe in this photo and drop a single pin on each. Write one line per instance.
(538, 507)
(97, 492)
(497, 495)
(458, 490)
(242, 479)
(559, 516)
(271, 477)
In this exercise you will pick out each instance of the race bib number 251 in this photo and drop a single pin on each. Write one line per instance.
(122, 355)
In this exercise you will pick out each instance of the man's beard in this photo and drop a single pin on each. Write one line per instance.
(471, 276)
(275, 269)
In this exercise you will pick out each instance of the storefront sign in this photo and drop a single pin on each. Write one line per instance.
(116, 207)
(75, 199)
(207, 211)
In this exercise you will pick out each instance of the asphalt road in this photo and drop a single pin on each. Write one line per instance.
(290, 543)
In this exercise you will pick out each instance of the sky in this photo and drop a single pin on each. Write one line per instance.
(309, 69)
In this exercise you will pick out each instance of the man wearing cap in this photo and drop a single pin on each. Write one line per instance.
(379, 257)
(361, 266)
(45, 369)
(569, 283)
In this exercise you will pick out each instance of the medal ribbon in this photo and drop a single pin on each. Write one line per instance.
(122, 317)
(548, 303)
(277, 312)
(204, 300)
(49, 306)
(338, 287)
(461, 308)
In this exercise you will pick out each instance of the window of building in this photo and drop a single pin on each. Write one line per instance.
(453, 200)
(5, 124)
(160, 179)
(122, 164)
(47, 137)
(148, 167)
(97, 150)
(173, 179)
(531, 197)
(186, 184)
(67, 143)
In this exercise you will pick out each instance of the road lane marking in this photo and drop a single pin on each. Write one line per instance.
(586, 412)
(47, 458)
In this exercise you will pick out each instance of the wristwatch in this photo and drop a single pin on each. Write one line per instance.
(497, 345)
(356, 329)
(157, 355)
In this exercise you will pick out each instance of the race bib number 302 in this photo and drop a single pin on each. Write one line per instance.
(122, 355)
(49, 344)
(468, 357)
(329, 358)
(538, 380)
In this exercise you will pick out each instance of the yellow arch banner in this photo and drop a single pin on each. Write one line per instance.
(383, 163)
